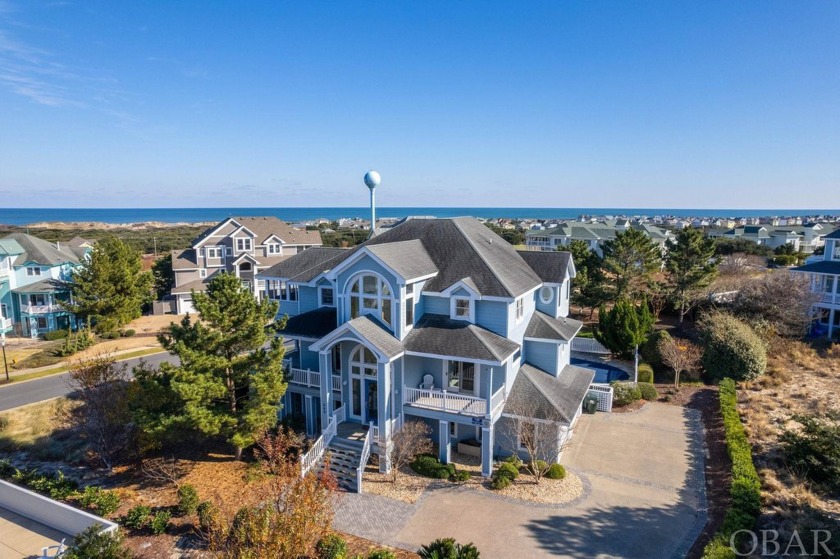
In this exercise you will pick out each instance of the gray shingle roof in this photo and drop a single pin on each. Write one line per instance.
(545, 327)
(264, 227)
(190, 286)
(539, 395)
(313, 324)
(439, 335)
(459, 248)
(549, 266)
(408, 258)
(833, 235)
(305, 266)
(184, 259)
(821, 267)
(41, 251)
(43, 286)
(375, 332)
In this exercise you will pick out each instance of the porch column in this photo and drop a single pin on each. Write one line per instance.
(383, 395)
(326, 387)
(444, 448)
(831, 322)
(487, 443)
(310, 415)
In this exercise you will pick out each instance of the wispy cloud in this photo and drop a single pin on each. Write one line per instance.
(44, 78)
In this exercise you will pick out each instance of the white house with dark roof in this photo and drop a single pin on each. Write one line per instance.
(593, 234)
(242, 246)
(825, 281)
(438, 320)
(33, 276)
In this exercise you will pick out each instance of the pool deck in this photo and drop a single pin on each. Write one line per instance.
(22, 538)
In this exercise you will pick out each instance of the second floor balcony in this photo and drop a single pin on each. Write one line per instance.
(453, 402)
(41, 309)
(309, 378)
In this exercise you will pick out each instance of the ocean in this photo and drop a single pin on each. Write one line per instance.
(25, 216)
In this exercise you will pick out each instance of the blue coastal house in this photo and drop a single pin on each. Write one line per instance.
(32, 272)
(437, 320)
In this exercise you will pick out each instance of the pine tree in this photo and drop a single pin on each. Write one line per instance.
(624, 327)
(589, 286)
(629, 260)
(691, 266)
(230, 383)
(110, 287)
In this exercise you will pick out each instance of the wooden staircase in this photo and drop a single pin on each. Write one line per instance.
(344, 456)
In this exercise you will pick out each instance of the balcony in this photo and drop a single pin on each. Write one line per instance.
(311, 379)
(831, 298)
(40, 309)
(453, 402)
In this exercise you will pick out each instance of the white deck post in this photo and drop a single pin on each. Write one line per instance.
(310, 415)
(487, 451)
(325, 387)
(384, 412)
(444, 448)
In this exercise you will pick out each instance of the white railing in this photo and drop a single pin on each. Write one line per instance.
(336, 383)
(443, 400)
(340, 414)
(363, 458)
(588, 345)
(497, 399)
(831, 298)
(40, 309)
(308, 460)
(305, 377)
(605, 396)
(5, 323)
(375, 430)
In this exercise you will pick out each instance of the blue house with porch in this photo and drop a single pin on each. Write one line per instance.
(437, 320)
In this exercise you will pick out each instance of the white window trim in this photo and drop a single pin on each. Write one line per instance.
(476, 391)
(379, 296)
(274, 248)
(33, 270)
(453, 309)
(238, 240)
(321, 296)
(202, 273)
(550, 297)
(516, 307)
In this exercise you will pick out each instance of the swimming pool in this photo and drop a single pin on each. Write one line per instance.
(604, 373)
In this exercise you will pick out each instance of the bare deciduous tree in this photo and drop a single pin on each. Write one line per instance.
(409, 442)
(165, 471)
(681, 355)
(538, 438)
(104, 418)
(783, 299)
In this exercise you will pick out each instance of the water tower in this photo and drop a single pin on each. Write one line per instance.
(372, 180)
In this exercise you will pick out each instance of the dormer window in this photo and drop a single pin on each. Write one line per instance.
(244, 244)
(214, 252)
(461, 308)
(274, 248)
(33, 271)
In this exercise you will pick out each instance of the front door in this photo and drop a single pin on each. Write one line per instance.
(371, 402)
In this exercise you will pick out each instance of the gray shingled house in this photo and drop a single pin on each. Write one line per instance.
(438, 320)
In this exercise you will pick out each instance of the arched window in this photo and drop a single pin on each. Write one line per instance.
(362, 362)
(369, 294)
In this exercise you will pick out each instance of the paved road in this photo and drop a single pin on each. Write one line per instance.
(31, 391)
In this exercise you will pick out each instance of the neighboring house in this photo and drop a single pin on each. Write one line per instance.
(438, 320)
(239, 245)
(594, 234)
(825, 280)
(805, 237)
(32, 276)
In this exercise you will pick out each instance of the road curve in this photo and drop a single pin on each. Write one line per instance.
(31, 391)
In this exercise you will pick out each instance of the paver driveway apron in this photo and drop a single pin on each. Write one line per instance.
(645, 498)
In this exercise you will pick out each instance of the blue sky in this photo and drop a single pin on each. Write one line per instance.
(563, 104)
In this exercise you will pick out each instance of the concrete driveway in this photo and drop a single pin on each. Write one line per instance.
(645, 498)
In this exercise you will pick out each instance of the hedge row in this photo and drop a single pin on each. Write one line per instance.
(746, 485)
